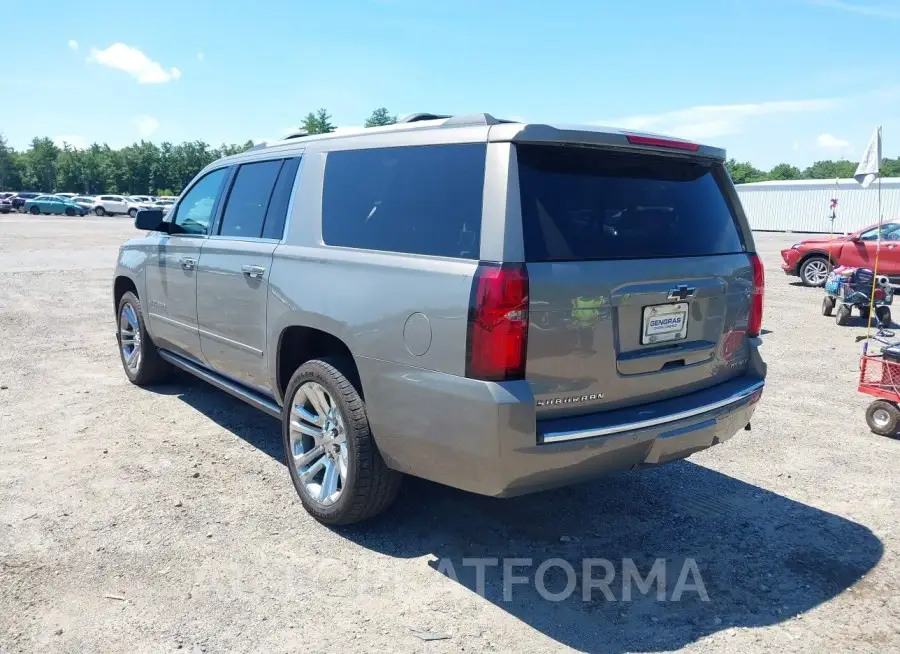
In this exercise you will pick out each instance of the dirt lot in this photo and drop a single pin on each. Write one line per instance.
(138, 521)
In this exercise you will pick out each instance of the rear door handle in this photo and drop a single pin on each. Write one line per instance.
(253, 272)
(188, 263)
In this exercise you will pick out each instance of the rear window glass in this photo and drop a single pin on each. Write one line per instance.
(417, 199)
(585, 203)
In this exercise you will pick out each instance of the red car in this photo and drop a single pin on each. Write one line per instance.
(809, 259)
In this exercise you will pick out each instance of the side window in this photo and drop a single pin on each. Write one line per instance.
(245, 209)
(281, 197)
(419, 200)
(194, 212)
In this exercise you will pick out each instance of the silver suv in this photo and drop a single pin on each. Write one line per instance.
(496, 306)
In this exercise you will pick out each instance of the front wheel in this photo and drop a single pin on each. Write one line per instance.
(814, 271)
(100, 211)
(828, 303)
(139, 355)
(132, 213)
(70, 211)
(842, 317)
(35, 211)
(332, 457)
(883, 314)
(883, 417)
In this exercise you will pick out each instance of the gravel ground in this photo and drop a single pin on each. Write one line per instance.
(135, 521)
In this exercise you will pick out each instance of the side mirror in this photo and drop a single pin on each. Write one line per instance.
(150, 220)
(855, 238)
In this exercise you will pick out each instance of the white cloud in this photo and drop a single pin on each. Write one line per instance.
(134, 62)
(200, 56)
(73, 45)
(878, 11)
(709, 121)
(73, 140)
(146, 125)
(831, 142)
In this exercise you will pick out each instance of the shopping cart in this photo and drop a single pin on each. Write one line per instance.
(843, 293)
(880, 376)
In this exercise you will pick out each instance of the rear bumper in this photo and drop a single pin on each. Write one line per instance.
(483, 437)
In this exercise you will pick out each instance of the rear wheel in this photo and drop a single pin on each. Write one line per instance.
(814, 271)
(842, 317)
(883, 314)
(100, 211)
(333, 461)
(828, 303)
(35, 211)
(883, 417)
(132, 212)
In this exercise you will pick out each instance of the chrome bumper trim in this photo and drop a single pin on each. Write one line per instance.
(744, 394)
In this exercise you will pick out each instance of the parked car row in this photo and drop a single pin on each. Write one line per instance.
(72, 204)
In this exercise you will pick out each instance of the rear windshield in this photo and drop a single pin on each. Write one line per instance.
(585, 203)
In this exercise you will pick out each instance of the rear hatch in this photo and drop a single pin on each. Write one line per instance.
(640, 283)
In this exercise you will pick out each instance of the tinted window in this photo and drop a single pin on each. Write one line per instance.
(584, 203)
(195, 211)
(275, 216)
(107, 198)
(421, 200)
(889, 232)
(249, 199)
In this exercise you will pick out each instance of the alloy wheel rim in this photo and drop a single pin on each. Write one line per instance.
(816, 272)
(881, 418)
(318, 439)
(130, 337)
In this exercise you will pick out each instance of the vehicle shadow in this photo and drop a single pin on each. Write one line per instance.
(760, 556)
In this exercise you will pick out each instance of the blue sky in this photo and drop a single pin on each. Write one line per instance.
(770, 80)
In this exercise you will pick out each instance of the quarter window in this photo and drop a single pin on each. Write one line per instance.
(417, 200)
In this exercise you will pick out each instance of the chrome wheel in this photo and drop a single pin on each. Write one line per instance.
(881, 418)
(318, 443)
(130, 337)
(815, 272)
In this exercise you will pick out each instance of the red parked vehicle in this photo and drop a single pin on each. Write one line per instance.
(808, 259)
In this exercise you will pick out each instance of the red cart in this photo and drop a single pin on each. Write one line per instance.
(880, 377)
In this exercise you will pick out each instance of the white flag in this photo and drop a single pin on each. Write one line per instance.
(870, 164)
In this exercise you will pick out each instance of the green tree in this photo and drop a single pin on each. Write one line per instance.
(10, 175)
(40, 164)
(742, 172)
(830, 170)
(318, 122)
(785, 171)
(380, 117)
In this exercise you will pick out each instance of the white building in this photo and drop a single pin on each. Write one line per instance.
(805, 205)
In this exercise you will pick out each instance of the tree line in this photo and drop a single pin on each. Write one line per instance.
(147, 168)
(143, 168)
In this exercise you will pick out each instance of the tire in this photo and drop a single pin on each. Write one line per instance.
(828, 303)
(35, 211)
(842, 317)
(814, 271)
(864, 313)
(367, 486)
(70, 211)
(132, 212)
(100, 211)
(883, 417)
(884, 315)
(149, 367)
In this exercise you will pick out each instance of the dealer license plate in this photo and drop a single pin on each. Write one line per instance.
(665, 322)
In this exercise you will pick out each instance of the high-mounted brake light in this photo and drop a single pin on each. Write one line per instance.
(754, 322)
(498, 323)
(657, 142)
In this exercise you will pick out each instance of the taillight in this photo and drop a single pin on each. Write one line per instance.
(658, 142)
(754, 323)
(498, 322)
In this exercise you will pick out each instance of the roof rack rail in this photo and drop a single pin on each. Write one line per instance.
(414, 118)
(462, 119)
(296, 134)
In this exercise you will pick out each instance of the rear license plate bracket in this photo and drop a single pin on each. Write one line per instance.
(662, 323)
